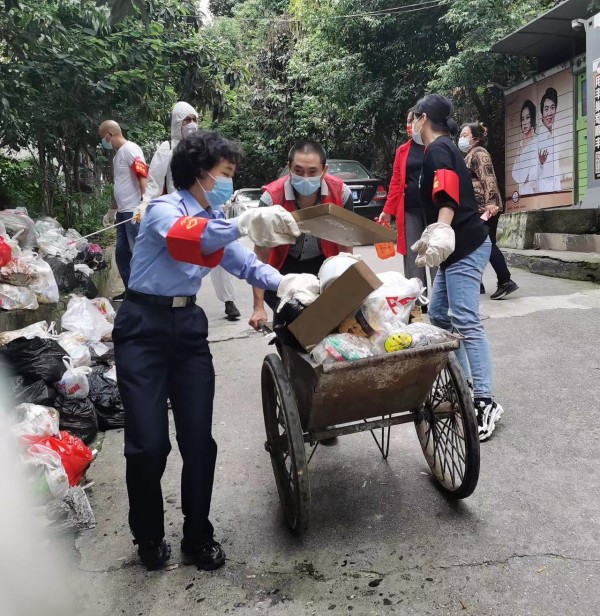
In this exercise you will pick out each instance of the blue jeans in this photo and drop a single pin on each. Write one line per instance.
(455, 307)
(126, 235)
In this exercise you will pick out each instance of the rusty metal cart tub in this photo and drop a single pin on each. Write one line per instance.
(304, 402)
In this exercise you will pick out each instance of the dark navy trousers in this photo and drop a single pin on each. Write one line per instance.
(162, 354)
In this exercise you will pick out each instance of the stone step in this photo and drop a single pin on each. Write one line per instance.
(567, 242)
(557, 263)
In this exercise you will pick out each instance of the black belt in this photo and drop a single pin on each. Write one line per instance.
(180, 301)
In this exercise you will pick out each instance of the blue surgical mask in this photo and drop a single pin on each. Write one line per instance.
(306, 186)
(221, 192)
(107, 145)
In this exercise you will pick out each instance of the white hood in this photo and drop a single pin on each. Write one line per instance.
(180, 112)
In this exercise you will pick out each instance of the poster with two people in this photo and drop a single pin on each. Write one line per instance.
(539, 144)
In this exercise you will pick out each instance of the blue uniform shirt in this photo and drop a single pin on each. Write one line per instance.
(153, 269)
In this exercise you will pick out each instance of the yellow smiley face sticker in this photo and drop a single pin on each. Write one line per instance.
(398, 341)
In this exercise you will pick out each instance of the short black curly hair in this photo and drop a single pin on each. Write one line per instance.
(199, 153)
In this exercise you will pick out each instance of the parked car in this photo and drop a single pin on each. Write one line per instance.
(241, 201)
(368, 192)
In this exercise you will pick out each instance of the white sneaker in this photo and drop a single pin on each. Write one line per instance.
(487, 417)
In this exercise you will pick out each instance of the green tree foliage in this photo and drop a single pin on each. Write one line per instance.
(65, 67)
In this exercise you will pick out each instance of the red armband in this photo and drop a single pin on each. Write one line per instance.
(139, 167)
(446, 181)
(184, 240)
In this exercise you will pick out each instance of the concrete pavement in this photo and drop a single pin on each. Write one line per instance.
(382, 539)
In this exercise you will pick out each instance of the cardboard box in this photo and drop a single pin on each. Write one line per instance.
(336, 224)
(339, 300)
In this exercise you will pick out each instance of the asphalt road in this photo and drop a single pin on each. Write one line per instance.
(382, 538)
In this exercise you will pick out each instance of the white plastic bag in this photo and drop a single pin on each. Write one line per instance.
(413, 336)
(35, 420)
(74, 344)
(39, 330)
(84, 269)
(334, 267)
(17, 298)
(19, 226)
(391, 303)
(46, 469)
(84, 317)
(55, 244)
(105, 307)
(44, 286)
(343, 347)
(111, 374)
(74, 384)
(18, 273)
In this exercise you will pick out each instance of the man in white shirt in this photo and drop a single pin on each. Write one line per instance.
(548, 154)
(184, 122)
(130, 177)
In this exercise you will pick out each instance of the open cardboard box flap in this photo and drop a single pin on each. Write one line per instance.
(336, 224)
(339, 300)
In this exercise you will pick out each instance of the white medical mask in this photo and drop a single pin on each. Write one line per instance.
(306, 186)
(464, 144)
(189, 129)
(416, 135)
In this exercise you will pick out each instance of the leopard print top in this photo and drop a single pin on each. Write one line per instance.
(485, 184)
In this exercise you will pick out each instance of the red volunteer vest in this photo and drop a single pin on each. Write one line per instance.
(276, 189)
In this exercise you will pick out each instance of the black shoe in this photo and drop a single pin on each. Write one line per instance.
(207, 556)
(119, 298)
(231, 311)
(153, 554)
(481, 289)
(329, 442)
(504, 289)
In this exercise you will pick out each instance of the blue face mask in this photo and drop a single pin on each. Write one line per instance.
(306, 186)
(107, 145)
(220, 194)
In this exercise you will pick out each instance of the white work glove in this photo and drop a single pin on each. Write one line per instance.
(435, 246)
(269, 226)
(139, 213)
(109, 218)
(302, 287)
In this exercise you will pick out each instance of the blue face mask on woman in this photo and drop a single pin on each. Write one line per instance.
(306, 186)
(221, 192)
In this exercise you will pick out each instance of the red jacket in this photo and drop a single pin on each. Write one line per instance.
(276, 189)
(395, 199)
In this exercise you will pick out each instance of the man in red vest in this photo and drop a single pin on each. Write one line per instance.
(307, 184)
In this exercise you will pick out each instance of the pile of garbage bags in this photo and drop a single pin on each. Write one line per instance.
(63, 390)
(381, 324)
(39, 260)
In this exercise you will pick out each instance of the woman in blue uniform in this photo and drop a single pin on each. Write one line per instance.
(457, 241)
(160, 337)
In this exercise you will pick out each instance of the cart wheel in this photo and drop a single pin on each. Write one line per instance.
(285, 443)
(447, 429)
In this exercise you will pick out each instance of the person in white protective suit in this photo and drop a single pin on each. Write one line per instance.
(184, 121)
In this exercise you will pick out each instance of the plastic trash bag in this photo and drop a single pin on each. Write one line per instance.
(334, 267)
(84, 317)
(45, 470)
(84, 269)
(92, 256)
(64, 273)
(20, 227)
(74, 383)
(46, 224)
(104, 393)
(17, 298)
(37, 358)
(413, 336)
(102, 353)
(78, 417)
(390, 304)
(75, 455)
(343, 347)
(44, 285)
(17, 272)
(5, 252)
(76, 240)
(111, 374)
(53, 243)
(105, 308)
(281, 320)
(73, 344)
(40, 329)
(38, 392)
(34, 420)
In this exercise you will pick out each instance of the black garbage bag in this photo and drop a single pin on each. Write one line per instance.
(36, 392)
(35, 358)
(104, 393)
(281, 320)
(86, 282)
(108, 359)
(78, 417)
(64, 272)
